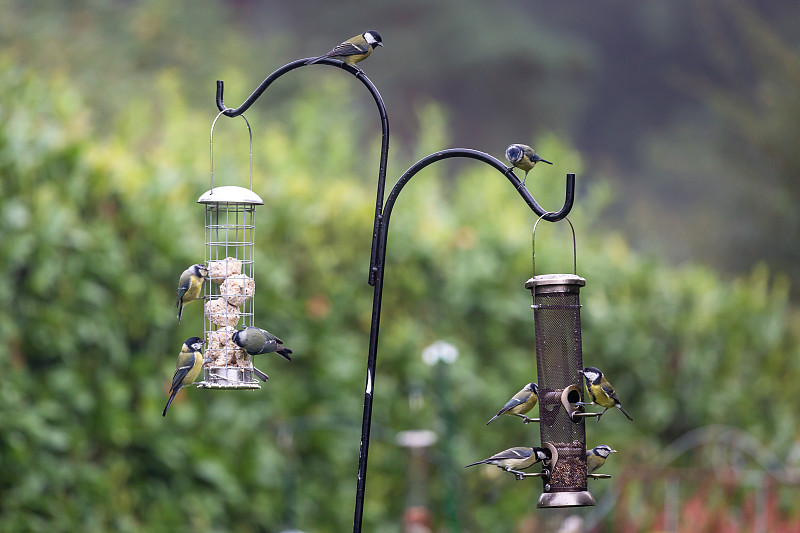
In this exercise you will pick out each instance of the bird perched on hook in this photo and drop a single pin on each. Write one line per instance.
(189, 286)
(601, 391)
(596, 457)
(256, 341)
(524, 158)
(520, 403)
(354, 49)
(515, 459)
(190, 362)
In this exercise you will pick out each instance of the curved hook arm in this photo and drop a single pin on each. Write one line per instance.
(359, 74)
(496, 163)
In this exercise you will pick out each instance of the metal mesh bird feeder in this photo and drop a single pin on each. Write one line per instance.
(230, 287)
(557, 321)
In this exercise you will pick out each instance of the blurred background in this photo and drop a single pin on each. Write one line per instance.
(680, 119)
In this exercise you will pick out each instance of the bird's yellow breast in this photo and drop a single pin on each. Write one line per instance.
(193, 292)
(600, 397)
(525, 407)
(196, 368)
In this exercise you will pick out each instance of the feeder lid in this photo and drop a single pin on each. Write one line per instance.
(555, 279)
(230, 194)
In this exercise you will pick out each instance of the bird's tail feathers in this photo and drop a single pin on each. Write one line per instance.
(180, 312)
(169, 402)
(492, 419)
(314, 60)
(624, 412)
(476, 463)
(284, 352)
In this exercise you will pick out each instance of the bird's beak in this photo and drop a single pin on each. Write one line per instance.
(580, 371)
(613, 451)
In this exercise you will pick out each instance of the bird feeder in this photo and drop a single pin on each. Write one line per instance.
(557, 321)
(230, 286)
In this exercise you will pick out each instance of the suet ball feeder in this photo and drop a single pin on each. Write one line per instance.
(229, 291)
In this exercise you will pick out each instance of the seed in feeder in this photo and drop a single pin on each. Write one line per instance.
(237, 289)
(219, 270)
(222, 349)
(222, 313)
(570, 471)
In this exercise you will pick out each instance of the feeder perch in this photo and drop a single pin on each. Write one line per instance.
(230, 287)
(556, 312)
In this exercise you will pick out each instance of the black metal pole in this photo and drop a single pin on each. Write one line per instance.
(378, 268)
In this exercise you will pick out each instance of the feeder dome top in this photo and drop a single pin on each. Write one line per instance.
(230, 194)
(555, 279)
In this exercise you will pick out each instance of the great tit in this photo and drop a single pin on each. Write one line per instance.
(601, 391)
(524, 158)
(520, 403)
(354, 49)
(256, 341)
(515, 459)
(189, 286)
(596, 457)
(190, 362)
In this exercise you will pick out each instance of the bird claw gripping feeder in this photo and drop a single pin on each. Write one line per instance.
(557, 322)
(230, 287)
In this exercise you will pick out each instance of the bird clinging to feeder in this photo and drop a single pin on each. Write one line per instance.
(520, 403)
(256, 341)
(190, 362)
(596, 457)
(601, 391)
(189, 286)
(515, 459)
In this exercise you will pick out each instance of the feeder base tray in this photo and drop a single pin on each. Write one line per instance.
(582, 498)
(229, 377)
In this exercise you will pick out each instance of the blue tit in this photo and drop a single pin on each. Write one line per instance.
(256, 341)
(524, 158)
(189, 286)
(601, 391)
(596, 457)
(520, 403)
(190, 362)
(354, 49)
(515, 459)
